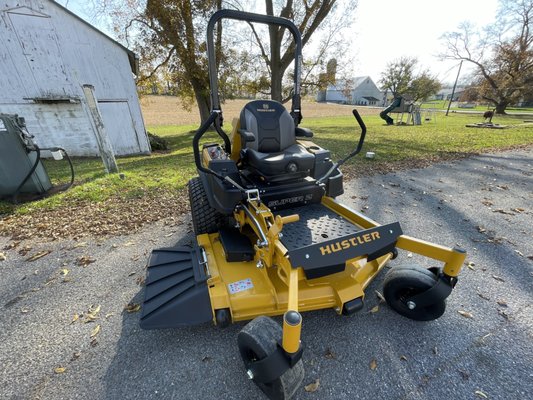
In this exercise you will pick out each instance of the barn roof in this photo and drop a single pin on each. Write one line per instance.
(132, 57)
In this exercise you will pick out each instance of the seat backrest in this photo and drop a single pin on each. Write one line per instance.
(271, 124)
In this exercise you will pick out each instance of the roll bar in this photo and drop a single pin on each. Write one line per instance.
(262, 19)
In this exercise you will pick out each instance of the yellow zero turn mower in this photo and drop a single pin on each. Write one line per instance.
(272, 240)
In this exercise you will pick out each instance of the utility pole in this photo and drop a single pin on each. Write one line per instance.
(453, 90)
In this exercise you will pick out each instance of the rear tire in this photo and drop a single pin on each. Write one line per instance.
(406, 281)
(256, 341)
(205, 219)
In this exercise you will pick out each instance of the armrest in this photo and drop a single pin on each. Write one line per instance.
(246, 136)
(305, 132)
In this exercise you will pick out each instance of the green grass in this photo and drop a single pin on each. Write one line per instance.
(171, 170)
(443, 105)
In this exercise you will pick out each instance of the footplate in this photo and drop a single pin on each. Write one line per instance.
(175, 292)
(330, 256)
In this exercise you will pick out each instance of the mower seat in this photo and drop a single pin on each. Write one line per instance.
(269, 142)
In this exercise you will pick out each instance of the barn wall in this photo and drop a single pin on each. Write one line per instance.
(47, 55)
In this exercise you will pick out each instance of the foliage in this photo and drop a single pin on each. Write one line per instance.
(169, 36)
(401, 79)
(502, 54)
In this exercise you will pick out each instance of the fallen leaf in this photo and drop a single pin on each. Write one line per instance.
(403, 358)
(140, 280)
(502, 303)
(466, 314)
(471, 265)
(75, 355)
(373, 364)
(330, 354)
(312, 387)
(481, 229)
(483, 296)
(24, 310)
(80, 244)
(503, 314)
(132, 307)
(410, 255)
(109, 315)
(206, 359)
(435, 351)
(38, 255)
(64, 272)
(75, 318)
(132, 273)
(94, 342)
(83, 261)
(481, 394)
(25, 250)
(128, 244)
(380, 296)
(530, 257)
(374, 309)
(2, 257)
(92, 314)
(60, 370)
(498, 278)
(519, 253)
(518, 209)
(95, 331)
(169, 234)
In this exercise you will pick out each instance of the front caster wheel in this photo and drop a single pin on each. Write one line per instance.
(258, 339)
(403, 282)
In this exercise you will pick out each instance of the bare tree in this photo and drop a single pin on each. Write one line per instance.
(502, 54)
(401, 79)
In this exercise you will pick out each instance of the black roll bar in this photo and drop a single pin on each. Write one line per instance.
(262, 19)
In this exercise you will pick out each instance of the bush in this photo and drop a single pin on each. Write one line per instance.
(158, 143)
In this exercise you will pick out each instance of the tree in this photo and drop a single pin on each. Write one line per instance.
(170, 35)
(502, 54)
(401, 79)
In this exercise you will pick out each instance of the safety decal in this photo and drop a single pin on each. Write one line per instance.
(239, 286)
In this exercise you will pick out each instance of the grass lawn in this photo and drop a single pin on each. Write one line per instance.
(166, 173)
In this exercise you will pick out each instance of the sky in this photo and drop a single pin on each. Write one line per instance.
(385, 30)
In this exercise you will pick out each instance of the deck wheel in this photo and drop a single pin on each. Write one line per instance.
(403, 282)
(258, 339)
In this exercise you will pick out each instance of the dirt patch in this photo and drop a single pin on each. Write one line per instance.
(169, 110)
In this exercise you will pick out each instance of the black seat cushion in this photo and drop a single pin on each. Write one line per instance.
(271, 164)
(274, 151)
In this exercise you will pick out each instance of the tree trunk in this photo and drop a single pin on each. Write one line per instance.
(501, 106)
(202, 100)
(276, 87)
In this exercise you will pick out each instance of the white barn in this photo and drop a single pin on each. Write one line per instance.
(46, 54)
(360, 90)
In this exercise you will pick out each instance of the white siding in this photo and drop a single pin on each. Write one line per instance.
(49, 54)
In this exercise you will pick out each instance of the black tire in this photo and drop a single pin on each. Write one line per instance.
(205, 219)
(403, 282)
(257, 340)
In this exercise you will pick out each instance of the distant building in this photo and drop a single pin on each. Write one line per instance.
(446, 93)
(360, 90)
(47, 54)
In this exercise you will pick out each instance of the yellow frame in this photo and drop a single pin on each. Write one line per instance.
(277, 287)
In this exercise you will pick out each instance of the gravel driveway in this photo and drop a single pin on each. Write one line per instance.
(66, 334)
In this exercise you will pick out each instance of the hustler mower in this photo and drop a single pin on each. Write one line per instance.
(272, 240)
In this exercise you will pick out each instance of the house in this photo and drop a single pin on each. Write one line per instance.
(360, 90)
(47, 54)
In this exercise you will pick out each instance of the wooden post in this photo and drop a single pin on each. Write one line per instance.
(104, 144)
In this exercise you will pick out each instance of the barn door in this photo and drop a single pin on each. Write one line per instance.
(118, 123)
(40, 47)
